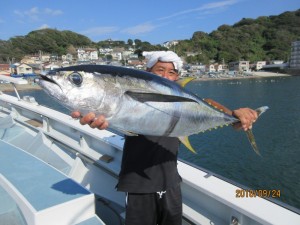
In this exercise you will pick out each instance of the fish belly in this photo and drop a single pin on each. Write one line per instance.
(173, 119)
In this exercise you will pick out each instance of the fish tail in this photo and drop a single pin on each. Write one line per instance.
(261, 110)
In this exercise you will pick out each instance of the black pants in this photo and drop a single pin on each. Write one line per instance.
(164, 208)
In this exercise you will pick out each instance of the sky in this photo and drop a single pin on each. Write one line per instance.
(155, 21)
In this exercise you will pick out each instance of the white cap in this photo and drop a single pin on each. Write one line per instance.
(163, 56)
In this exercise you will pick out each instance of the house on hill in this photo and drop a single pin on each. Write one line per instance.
(22, 68)
(87, 54)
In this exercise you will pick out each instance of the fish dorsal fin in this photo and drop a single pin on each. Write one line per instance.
(184, 81)
(186, 142)
(218, 106)
(156, 97)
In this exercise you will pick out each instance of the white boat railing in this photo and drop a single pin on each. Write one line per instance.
(14, 81)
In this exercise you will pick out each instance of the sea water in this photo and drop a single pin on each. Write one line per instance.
(227, 152)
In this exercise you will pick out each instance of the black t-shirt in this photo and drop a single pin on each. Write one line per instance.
(149, 164)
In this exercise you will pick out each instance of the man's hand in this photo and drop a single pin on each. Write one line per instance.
(94, 122)
(247, 117)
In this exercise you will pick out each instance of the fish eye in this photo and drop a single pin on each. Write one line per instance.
(76, 79)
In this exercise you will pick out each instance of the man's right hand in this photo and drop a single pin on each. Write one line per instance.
(94, 122)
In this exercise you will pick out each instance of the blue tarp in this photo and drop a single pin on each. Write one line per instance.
(16, 75)
(29, 75)
(24, 75)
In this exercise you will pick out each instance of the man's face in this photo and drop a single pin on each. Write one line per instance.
(165, 69)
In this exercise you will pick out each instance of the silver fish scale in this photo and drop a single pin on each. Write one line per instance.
(159, 117)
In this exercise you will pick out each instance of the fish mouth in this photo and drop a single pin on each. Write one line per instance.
(47, 78)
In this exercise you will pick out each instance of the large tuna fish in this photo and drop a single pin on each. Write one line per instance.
(134, 101)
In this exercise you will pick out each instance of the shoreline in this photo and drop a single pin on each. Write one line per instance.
(32, 86)
(256, 75)
(20, 87)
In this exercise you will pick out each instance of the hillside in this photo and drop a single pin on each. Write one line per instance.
(264, 38)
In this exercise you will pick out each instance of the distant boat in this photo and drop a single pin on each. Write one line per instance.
(55, 171)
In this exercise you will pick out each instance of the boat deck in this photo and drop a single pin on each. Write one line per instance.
(44, 191)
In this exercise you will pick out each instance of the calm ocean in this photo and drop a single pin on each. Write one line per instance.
(227, 152)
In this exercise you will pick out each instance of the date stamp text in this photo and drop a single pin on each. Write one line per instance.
(263, 193)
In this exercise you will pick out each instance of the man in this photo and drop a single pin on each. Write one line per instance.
(149, 172)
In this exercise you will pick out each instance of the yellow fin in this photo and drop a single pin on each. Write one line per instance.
(183, 81)
(186, 142)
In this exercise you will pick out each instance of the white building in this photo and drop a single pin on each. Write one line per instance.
(127, 54)
(68, 57)
(87, 54)
(277, 62)
(216, 67)
(239, 66)
(170, 44)
(117, 56)
(295, 55)
(211, 68)
(24, 69)
(105, 50)
(51, 66)
(259, 64)
(222, 68)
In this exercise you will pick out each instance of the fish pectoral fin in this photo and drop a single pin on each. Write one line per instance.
(252, 141)
(156, 97)
(184, 81)
(186, 142)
